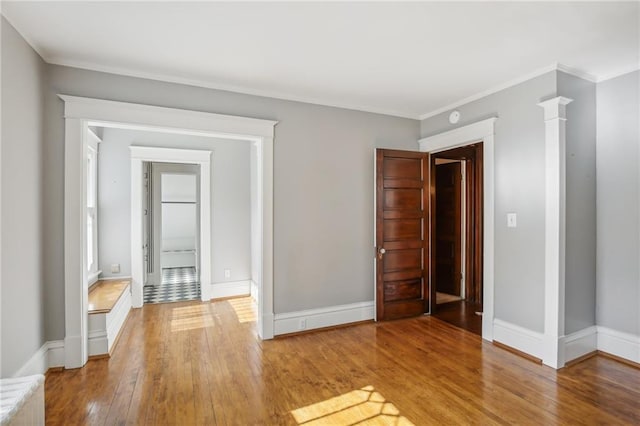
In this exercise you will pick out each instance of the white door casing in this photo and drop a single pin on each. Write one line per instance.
(481, 131)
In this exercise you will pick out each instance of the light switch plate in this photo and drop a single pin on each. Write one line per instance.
(511, 220)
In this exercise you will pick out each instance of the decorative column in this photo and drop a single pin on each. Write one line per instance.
(555, 230)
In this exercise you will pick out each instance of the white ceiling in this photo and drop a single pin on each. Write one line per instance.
(406, 59)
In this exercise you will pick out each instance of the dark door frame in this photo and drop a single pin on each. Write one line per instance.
(473, 156)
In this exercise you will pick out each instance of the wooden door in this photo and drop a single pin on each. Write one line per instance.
(448, 228)
(402, 243)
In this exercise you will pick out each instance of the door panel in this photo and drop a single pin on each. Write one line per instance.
(448, 234)
(402, 209)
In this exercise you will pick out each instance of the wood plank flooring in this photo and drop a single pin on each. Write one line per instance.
(461, 314)
(198, 363)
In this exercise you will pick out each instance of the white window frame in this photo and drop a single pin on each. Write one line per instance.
(92, 203)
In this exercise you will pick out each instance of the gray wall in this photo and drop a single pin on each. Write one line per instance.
(618, 252)
(22, 276)
(323, 183)
(519, 188)
(231, 208)
(580, 275)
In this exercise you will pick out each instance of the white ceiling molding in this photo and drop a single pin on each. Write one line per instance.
(226, 87)
(618, 73)
(553, 67)
(397, 59)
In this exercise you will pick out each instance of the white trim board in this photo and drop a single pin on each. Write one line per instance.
(81, 112)
(580, 343)
(230, 289)
(514, 82)
(481, 131)
(49, 355)
(520, 338)
(554, 229)
(292, 322)
(618, 343)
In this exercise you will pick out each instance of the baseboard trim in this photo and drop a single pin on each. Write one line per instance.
(522, 339)
(49, 355)
(254, 290)
(618, 343)
(292, 322)
(230, 289)
(580, 343)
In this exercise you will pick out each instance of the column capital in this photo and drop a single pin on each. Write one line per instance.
(555, 107)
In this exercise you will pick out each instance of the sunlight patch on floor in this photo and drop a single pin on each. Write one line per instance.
(359, 407)
(244, 308)
(191, 318)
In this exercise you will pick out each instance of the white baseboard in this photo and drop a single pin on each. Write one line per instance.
(580, 343)
(56, 353)
(618, 343)
(116, 278)
(520, 338)
(98, 343)
(50, 354)
(230, 289)
(117, 317)
(254, 290)
(310, 319)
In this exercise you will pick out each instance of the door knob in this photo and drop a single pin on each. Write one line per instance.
(381, 251)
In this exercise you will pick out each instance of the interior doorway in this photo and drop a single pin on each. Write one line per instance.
(457, 236)
(171, 230)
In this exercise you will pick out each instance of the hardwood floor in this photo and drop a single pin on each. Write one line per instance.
(461, 314)
(192, 363)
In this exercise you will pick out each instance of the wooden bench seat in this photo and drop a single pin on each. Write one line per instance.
(104, 295)
(109, 306)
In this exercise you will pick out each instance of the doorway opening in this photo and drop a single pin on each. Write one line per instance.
(170, 232)
(457, 236)
(81, 113)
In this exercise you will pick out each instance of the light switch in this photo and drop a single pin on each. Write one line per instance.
(511, 220)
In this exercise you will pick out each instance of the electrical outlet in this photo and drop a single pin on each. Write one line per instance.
(303, 324)
(115, 268)
(227, 273)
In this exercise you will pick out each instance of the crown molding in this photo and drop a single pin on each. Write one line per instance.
(620, 72)
(225, 87)
(549, 68)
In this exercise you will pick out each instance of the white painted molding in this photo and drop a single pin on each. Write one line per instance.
(230, 289)
(56, 353)
(520, 338)
(227, 87)
(140, 154)
(117, 317)
(323, 317)
(147, 117)
(580, 343)
(529, 76)
(555, 229)
(254, 291)
(50, 354)
(116, 278)
(98, 343)
(79, 114)
(460, 136)
(37, 364)
(620, 344)
(481, 131)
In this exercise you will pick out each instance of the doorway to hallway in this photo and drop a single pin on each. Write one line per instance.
(171, 229)
(456, 221)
